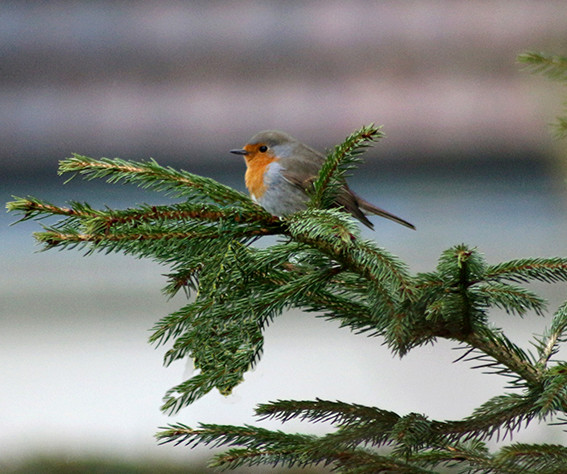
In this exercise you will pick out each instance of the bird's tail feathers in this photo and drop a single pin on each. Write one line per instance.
(372, 209)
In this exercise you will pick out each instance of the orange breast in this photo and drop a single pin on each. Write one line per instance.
(254, 177)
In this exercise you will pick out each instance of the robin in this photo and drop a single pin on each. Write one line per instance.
(280, 170)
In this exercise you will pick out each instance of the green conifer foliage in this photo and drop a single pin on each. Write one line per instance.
(555, 68)
(321, 264)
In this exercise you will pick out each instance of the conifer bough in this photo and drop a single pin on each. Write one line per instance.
(321, 264)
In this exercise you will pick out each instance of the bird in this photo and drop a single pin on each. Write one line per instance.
(280, 170)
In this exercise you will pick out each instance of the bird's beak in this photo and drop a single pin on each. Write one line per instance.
(239, 151)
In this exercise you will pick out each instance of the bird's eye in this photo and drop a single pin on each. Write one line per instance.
(263, 149)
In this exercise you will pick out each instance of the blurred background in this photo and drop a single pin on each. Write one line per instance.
(468, 158)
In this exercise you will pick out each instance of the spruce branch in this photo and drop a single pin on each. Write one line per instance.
(159, 232)
(498, 351)
(547, 346)
(518, 457)
(455, 299)
(333, 232)
(361, 461)
(33, 208)
(503, 412)
(555, 68)
(550, 65)
(218, 435)
(339, 163)
(333, 305)
(348, 461)
(150, 175)
(320, 264)
(412, 434)
(357, 424)
(238, 316)
(472, 456)
(319, 410)
(553, 396)
(448, 300)
(277, 448)
(540, 458)
(513, 299)
(547, 270)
